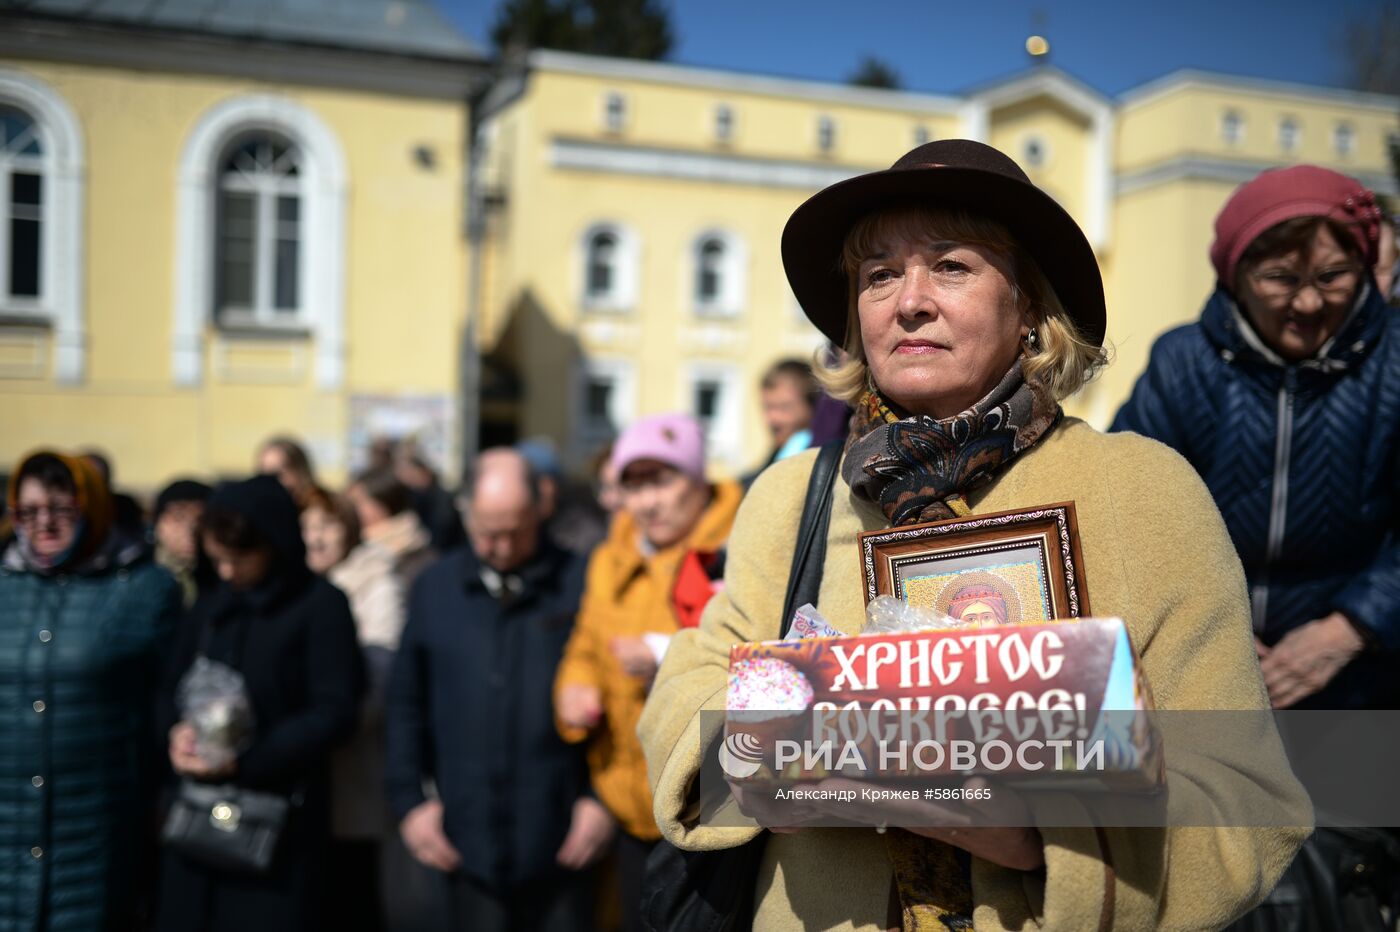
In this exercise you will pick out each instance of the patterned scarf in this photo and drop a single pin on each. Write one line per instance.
(921, 469)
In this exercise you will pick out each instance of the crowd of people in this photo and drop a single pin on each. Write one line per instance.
(267, 704)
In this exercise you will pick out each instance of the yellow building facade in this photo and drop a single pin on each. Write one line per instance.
(235, 237)
(631, 251)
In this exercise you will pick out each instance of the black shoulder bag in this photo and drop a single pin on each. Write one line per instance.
(712, 891)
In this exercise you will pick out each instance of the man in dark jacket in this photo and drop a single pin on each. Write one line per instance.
(469, 707)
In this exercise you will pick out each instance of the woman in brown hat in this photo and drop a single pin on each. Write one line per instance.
(969, 305)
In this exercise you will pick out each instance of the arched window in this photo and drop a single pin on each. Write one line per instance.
(1344, 139)
(258, 239)
(260, 231)
(614, 112)
(826, 133)
(709, 279)
(719, 263)
(609, 258)
(41, 216)
(1232, 127)
(724, 123)
(602, 264)
(1289, 134)
(21, 206)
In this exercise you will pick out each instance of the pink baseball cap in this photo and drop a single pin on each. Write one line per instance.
(1284, 193)
(674, 439)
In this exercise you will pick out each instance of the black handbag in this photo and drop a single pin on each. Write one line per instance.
(712, 891)
(226, 827)
(1342, 878)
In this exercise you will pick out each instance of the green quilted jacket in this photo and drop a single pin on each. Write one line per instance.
(79, 661)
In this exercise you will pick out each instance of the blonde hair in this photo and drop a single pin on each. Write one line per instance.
(1062, 358)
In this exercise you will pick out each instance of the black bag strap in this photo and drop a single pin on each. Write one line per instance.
(805, 577)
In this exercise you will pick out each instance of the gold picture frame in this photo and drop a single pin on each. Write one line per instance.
(1004, 568)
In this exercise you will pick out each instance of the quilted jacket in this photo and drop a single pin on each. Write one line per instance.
(79, 656)
(1301, 460)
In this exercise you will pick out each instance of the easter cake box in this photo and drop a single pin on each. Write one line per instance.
(1062, 699)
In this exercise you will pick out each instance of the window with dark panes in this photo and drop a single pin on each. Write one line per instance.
(602, 258)
(598, 398)
(724, 123)
(258, 241)
(707, 399)
(709, 274)
(22, 192)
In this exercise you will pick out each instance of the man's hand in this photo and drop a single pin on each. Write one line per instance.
(185, 759)
(590, 833)
(1308, 657)
(580, 706)
(422, 833)
(635, 656)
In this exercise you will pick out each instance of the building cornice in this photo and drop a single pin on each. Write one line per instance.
(690, 165)
(1196, 167)
(157, 49)
(742, 82)
(1190, 79)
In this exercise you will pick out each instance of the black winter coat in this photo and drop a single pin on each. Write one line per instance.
(1301, 459)
(471, 706)
(293, 639)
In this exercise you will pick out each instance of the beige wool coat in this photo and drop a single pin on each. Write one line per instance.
(1156, 553)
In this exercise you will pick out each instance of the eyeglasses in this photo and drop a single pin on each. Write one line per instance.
(1278, 284)
(61, 514)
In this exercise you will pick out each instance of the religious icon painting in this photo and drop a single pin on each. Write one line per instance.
(1005, 568)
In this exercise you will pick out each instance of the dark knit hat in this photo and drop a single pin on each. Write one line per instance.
(181, 490)
(956, 173)
(1285, 193)
(269, 508)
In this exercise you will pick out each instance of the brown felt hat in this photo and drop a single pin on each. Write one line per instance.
(946, 173)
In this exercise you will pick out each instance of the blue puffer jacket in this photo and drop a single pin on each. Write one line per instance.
(79, 657)
(1302, 461)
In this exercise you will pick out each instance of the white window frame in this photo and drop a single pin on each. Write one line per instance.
(1232, 118)
(62, 167)
(622, 296)
(724, 123)
(323, 213)
(826, 134)
(733, 271)
(922, 134)
(266, 189)
(614, 114)
(724, 436)
(1290, 134)
(1344, 131)
(622, 403)
(23, 164)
